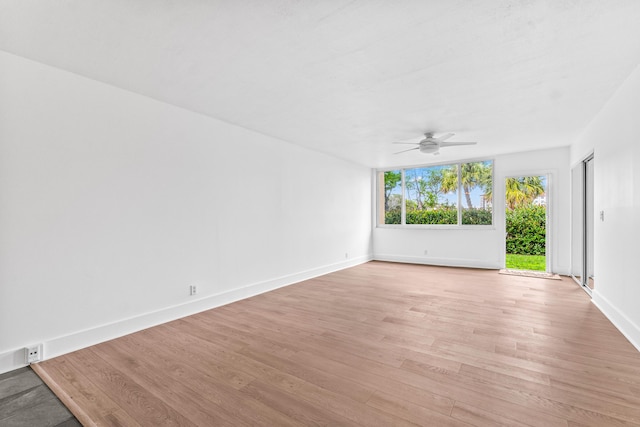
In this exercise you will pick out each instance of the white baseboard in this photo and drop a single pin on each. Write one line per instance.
(561, 270)
(80, 339)
(625, 325)
(446, 262)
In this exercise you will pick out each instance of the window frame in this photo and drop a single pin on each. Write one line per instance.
(459, 225)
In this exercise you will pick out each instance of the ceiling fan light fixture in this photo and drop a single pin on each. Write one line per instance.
(428, 149)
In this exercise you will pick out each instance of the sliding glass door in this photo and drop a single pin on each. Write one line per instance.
(589, 220)
(582, 221)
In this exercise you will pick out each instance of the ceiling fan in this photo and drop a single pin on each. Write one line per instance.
(431, 145)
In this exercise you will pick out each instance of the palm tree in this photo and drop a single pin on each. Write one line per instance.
(449, 181)
(472, 175)
(523, 190)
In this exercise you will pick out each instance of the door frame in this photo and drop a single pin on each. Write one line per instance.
(584, 273)
(548, 174)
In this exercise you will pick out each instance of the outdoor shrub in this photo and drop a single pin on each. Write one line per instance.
(393, 217)
(427, 216)
(476, 217)
(526, 230)
(432, 216)
(447, 215)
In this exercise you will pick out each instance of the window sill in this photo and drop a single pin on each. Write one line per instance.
(436, 227)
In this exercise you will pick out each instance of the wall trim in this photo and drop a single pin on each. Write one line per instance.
(58, 346)
(626, 326)
(445, 262)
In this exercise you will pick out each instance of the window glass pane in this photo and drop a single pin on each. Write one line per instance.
(432, 195)
(476, 182)
(391, 197)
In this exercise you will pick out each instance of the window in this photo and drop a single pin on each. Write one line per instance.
(431, 195)
(391, 182)
(456, 194)
(476, 183)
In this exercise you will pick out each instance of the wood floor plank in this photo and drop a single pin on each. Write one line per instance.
(377, 344)
(562, 404)
(409, 411)
(213, 384)
(88, 403)
(320, 378)
(379, 377)
(581, 376)
(178, 394)
(593, 402)
(133, 398)
(294, 407)
(478, 416)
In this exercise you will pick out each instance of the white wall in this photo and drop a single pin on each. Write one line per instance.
(112, 204)
(484, 248)
(613, 137)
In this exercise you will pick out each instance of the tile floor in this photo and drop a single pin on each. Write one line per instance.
(25, 401)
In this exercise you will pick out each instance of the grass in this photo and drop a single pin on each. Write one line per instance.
(526, 262)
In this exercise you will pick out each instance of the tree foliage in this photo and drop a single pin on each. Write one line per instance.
(472, 175)
(523, 190)
(391, 181)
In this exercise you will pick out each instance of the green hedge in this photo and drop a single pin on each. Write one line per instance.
(526, 230)
(448, 215)
(392, 217)
(476, 217)
(432, 216)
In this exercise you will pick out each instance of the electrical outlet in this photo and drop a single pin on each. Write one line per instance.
(33, 354)
(193, 290)
(425, 251)
(346, 254)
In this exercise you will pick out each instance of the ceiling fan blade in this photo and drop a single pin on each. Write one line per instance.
(410, 149)
(444, 137)
(450, 144)
(413, 143)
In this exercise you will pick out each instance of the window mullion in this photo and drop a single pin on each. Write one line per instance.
(459, 168)
(403, 208)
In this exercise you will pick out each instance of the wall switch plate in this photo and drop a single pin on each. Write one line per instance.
(33, 353)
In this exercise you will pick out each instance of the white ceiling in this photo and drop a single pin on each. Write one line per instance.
(348, 77)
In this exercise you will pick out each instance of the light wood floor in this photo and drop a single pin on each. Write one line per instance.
(380, 344)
